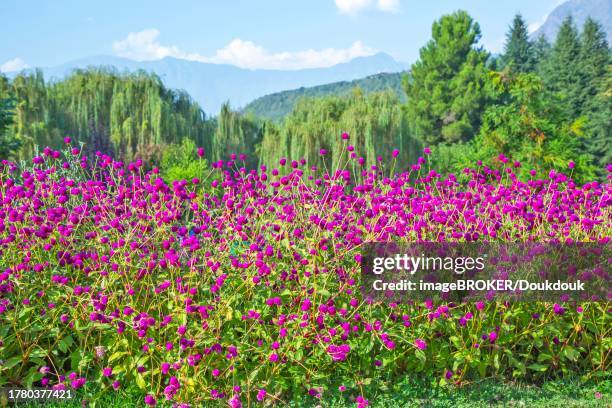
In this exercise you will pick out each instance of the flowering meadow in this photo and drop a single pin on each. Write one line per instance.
(242, 287)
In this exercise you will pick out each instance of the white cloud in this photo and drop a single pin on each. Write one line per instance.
(355, 6)
(389, 5)
(351, 6)
(143, 45)
(16, 64)
(246, 54)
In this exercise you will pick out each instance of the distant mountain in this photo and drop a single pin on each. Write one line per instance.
(213, 84)
(277, 105)
(599, 10)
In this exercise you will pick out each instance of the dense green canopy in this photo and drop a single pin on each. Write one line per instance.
(125, 114)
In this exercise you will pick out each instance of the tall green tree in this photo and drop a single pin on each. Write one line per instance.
(595, 105)
(235, 134)
(446, 86)
(540, 52)
(593, 63)
(518, 50)
(8, 144)
(561, 73)
(599, 125)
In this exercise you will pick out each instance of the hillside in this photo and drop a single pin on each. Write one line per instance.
(277, 105)
(580, 10)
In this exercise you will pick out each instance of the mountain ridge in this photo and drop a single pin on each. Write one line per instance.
(277, 105)
(580, 10)
(211, 85)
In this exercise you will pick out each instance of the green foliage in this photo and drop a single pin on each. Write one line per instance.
(561, 72)
(541, 51)
(600, 124)
(376, 124)
(530, 129)
(180, 162)
(235, 134)
(518, 50)
(277, 106)
(124, 114)
(410, 392)
(453, 157)
(594, 60)
(445, 88)
(8, 144)
(594, 97)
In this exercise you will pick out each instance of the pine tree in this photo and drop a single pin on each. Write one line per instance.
(595, 90)
(518, 50)
(446, 87)
(540, 51)
(562, 71)
(600, 125)
(594, 60)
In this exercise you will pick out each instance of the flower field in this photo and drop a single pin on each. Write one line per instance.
(242, 287)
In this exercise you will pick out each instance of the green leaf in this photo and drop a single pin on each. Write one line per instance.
(571, 353)
(11, 362)
(420, 354)
(537, 367)
(140, 381)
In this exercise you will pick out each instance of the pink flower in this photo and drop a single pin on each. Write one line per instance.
(362, 402)
(420, 344)
(338, 353)
(150, 400)
(261, 394)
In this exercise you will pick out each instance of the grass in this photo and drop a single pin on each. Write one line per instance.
(412, 393)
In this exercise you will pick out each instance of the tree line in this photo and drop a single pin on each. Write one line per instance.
(538, 104)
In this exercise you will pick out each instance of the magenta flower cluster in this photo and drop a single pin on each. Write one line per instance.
(244, 287)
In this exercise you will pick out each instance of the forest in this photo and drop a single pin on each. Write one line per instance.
(543, 105)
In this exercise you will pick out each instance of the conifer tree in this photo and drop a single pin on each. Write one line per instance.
(593, 63)
(540, 52)
(562, 70)
(595, 91)
(446, 86)
(518, 50)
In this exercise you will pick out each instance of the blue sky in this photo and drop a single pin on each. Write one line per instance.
(278, 34)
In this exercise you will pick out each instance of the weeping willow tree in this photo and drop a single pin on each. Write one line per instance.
(129, 115)
(376, 124)
(235, 133)
(31, 111)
